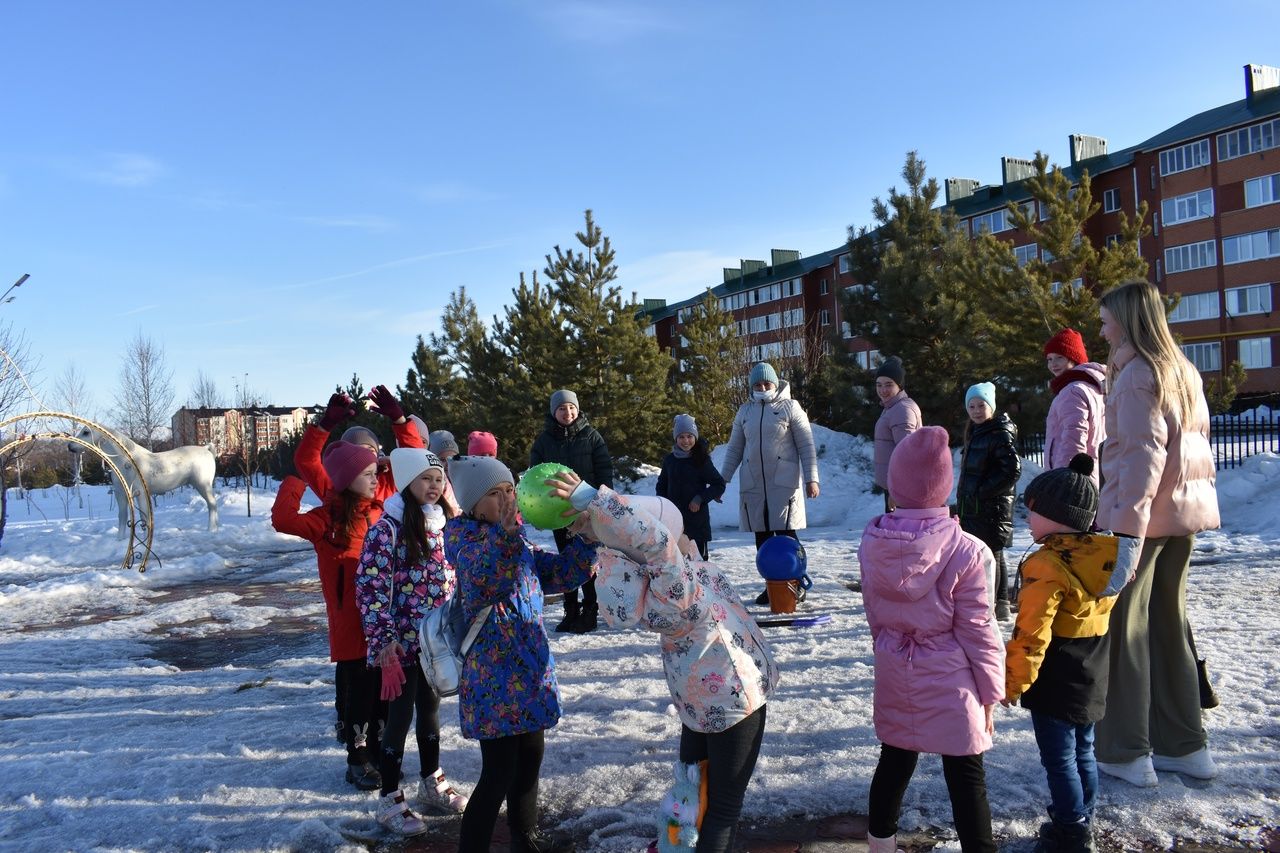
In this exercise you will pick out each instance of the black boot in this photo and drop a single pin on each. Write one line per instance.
(1065, 838)
(535, 842)
(587, 621)
(572, 610)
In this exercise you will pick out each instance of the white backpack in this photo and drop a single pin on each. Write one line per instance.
(444, 638)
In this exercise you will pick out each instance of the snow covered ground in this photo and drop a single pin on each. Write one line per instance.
(189, 708)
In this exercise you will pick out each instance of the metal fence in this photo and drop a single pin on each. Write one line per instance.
(1234, 438)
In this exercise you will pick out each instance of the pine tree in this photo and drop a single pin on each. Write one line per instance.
(431, 390)
(709, 381)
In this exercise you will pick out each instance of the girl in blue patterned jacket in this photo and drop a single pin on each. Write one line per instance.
(403, 574)
(508, 694)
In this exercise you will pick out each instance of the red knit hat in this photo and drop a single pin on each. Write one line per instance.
(482, 444)
(343, 462)
(1069, 345)
(920, 469)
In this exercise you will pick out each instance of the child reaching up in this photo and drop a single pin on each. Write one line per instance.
(508, 695)
(717, 664)
(1058, 659)
(939, 660)
(402, 575)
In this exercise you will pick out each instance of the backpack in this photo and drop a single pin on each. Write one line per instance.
(444, 638)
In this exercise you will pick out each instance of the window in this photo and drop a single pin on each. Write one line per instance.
(1111, 201)
(1260, 191)
(1184, 157)
(823, 289)
(1248, 140)
(1056, 287)
(1254, 299)
(1251, 247)
(1192, 256)
(1044, 211)
(1025, 254)
(793, 317)
(1047, 256)
(995, 222)
(845, 330)
(1206, 357)
(824, 317)
(868, 359)
(1254, 352)
(1184, 208)
(1195, 306)
(1114, 240)
(791, 287)
(793, 348)
(1028, 209)
(844, 266)
(759, 324)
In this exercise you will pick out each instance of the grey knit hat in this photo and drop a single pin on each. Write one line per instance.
(1065, 495)
(441, 442)
(472, 476)
(684, 423)
(561, 397)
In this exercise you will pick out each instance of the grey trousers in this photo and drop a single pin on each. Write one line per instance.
(1153, 698)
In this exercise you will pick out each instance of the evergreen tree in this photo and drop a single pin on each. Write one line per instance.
(431, 390)
(710, 379)
(365, 416)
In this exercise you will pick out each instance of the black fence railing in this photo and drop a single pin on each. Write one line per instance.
(1234, 438)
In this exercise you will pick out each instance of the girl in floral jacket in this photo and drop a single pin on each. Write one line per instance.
(508, 695)
(717, 664)
(403, 574)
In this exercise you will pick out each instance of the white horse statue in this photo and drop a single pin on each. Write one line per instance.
(191, 465)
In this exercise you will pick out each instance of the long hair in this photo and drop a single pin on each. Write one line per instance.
(1139, 311)
(414, 528)
(343, 508)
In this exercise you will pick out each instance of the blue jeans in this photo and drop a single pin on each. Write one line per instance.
(1066, 751)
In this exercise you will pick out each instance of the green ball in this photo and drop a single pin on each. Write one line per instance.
(539, 507)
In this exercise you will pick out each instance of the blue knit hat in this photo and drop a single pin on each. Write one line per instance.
(985, 391)
(764, 372)
(684, 423)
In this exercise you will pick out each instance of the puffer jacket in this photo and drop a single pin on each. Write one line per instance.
(393, 594)
(684, 478)
(508, 684)
(773, 443)
(578, 445)
(989, 469)
(1157, 473)
(337, 559)
(718, 666)
(901, 416)
(307, 459)
(939, 658)
(1057, 660)
(1077, 419)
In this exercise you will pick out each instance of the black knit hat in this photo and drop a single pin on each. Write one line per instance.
(1065, 495)
(892, 368)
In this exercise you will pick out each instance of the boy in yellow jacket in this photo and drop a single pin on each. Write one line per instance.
(1057, 660)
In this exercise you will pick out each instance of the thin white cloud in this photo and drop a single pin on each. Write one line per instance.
(600, 22)
(139, 310)
(398, 262)
(673, 275)
(360, 221)
(125, 170)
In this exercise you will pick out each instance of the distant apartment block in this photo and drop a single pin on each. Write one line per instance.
(227, 430)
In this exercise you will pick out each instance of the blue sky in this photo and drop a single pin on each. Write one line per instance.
(290, 190)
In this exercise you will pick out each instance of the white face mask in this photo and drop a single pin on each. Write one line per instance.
(763, 396)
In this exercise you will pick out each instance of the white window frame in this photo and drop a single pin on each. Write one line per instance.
(1187, 207)
(844, 265)
(1111, 200)
(1195, 306)
(1193, 155)
(824, 317)
(1026, 254)
(823, 287)
(1190, 256)
(1265, 190)
(1206, 356)
(1044, 211)
(990, 220)
(1255, 299)
(1254, 353)
(1249, 140)
(1254, 246)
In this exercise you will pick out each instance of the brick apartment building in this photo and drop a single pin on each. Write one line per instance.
(1212, 186)
(227, 429)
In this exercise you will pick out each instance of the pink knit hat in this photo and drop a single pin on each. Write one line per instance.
(920, 469)
(482, 444)
(343, 462)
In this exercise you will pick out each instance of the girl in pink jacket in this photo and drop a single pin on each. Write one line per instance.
(1075, 422)
(939, 659)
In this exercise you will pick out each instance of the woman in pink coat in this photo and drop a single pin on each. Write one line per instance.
(939, 659)
(1076, 422)
(1158, 491)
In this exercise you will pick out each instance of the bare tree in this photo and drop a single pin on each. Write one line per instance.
(205, 393)
(144, 400)
(71, 394)
(17, 371)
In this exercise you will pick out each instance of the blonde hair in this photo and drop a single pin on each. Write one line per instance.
(1139, 311)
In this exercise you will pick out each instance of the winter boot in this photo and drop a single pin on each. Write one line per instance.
(364, 776)
(534, 841)
(883, 845)
(1064, 838)
(437, 793)
(394, 814)
(763, 598)
(572, 610)
(587, 620)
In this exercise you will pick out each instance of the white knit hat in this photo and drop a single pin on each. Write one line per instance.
(472, 476)
(408, 463)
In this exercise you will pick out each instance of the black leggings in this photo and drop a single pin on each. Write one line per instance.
(1002, 577)
(966, 783)
(360, 708)
(417, 693)
(731, 759)
(589, 599)
(508, 771)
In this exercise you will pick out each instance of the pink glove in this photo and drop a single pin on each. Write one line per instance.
(386, 403)
(392, 679)
(339, 409)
